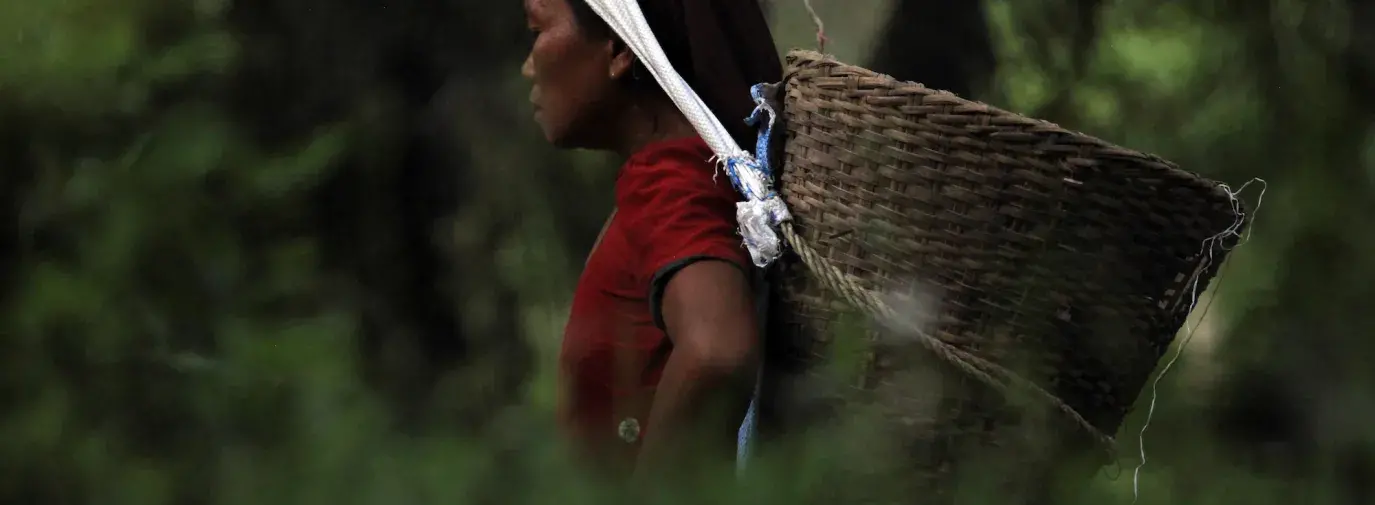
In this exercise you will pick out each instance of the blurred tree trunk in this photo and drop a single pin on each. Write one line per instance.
(944, 45)
(1063, 27)
(387, 215)
(1061, 36)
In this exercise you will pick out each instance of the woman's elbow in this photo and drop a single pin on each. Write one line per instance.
(736, 357)
(726, 359)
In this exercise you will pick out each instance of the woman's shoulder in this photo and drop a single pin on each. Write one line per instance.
(685, 152)
(675, 165)
(678, 207)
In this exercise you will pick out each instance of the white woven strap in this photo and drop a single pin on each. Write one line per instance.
(762, 210)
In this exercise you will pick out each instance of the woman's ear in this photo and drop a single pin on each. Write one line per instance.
(622, 59)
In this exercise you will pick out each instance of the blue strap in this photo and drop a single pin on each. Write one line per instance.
(760, 163)
(756, 119)
(746, 434)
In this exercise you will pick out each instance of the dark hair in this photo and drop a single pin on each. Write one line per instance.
(719, 47)
(665, 20)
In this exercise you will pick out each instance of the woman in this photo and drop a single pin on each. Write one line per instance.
(660, 350)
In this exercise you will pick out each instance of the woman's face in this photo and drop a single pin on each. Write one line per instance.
(573, 75)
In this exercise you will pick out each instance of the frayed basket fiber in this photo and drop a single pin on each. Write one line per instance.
(1058, 269)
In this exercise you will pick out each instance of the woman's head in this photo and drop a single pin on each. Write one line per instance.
(584, 79)
(586, 82)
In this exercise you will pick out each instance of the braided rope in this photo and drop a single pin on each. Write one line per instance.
(991, 374)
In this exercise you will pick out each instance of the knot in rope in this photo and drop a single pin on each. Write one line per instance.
(763, 210)
(758, 219)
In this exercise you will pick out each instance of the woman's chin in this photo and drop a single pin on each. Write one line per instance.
(553, 138)
(557, 138)
(557, 135)
(551, 134)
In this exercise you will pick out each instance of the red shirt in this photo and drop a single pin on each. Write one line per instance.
(673, 208)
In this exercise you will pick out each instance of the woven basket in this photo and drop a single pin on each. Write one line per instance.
(1060, 266)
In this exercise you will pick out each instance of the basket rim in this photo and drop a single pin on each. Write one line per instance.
(806, 57)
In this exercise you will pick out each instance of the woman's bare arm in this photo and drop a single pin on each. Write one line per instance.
(708, 311)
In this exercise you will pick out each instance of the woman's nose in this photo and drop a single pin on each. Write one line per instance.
(527, 69)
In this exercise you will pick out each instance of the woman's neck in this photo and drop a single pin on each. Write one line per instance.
(651, 122)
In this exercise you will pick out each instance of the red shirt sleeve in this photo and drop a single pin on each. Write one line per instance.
(681, 211)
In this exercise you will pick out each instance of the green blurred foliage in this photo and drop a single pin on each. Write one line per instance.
(175, 329)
